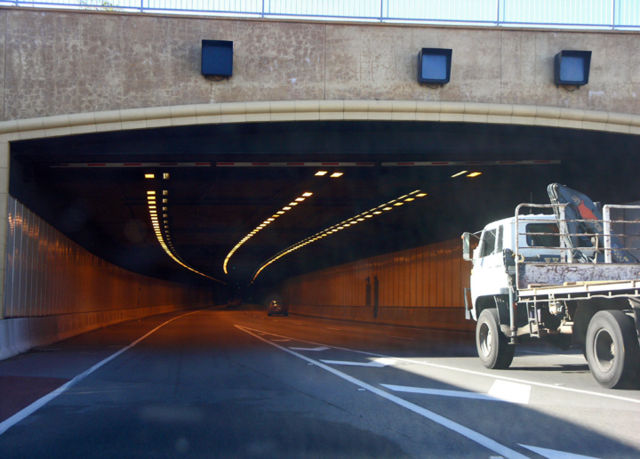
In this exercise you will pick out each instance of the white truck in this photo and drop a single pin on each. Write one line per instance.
(551, 274)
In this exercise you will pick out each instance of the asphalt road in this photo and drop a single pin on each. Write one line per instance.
(236, 383)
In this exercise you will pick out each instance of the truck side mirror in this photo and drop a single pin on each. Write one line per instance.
(466, 246)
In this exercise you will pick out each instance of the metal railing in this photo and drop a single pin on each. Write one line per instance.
(604, 244)
(590, 14)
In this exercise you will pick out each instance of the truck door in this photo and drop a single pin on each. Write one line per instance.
(488, 277)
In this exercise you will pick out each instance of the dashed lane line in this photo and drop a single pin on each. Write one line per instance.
(375, 363)
(310, 349)
(470, 434)
(511, 392)
(501, 391)
(440, 392)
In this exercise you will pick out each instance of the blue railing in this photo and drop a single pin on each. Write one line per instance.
(595, 14)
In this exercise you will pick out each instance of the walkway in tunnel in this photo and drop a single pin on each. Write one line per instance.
(238, 383)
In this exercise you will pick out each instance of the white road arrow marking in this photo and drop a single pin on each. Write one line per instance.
(510, 391)
(554, 454)
(375, 363)
(440, 392)
(310, 349)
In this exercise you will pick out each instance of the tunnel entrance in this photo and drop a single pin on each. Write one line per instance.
(223, 181)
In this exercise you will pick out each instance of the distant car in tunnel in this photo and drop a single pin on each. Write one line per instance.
(277, 307)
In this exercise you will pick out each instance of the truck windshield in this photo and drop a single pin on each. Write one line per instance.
(488, 243)
(542, 235)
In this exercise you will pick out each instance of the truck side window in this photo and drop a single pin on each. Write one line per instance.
(542, 235)
(488, 242)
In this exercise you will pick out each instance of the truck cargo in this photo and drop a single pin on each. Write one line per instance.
(567, 272)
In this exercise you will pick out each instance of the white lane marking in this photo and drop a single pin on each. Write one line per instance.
(42, 401)
(310, 349)
(526, 351)
(375, 363)
(472, 435)
(479, 373)
(510, 391)
(441, 392)
(554, 454)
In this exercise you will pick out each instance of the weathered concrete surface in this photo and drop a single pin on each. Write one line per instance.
(54, 62)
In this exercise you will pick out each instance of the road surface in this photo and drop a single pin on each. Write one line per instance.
(236, 383)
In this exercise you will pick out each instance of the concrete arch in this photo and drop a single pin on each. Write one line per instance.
(314, 110)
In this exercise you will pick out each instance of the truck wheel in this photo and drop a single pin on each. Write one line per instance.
(493, 348)
(612, 349)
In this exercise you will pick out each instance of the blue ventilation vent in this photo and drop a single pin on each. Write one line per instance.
(217, 58)
(572, 67)
(434, 65)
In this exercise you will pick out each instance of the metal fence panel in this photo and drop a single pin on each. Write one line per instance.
(324, 8)
(627, 13)
(551, 13)
(565, 12)
(437, 10)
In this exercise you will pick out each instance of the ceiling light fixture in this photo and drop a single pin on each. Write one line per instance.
(458, 174)
(336, 228)
(165, 240)
(261, 226)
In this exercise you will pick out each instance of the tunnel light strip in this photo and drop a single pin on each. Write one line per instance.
(263, 225)
(361, 217)
(162, 231)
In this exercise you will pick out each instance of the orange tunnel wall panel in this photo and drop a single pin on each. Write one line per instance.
(54, 289)
(422, 286)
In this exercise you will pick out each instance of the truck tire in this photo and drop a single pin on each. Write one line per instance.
(612, 349)
(493, 347)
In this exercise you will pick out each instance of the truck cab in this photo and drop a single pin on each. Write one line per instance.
(537, 240)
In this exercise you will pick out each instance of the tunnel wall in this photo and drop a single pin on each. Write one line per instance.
(55, 289)
(420, 287)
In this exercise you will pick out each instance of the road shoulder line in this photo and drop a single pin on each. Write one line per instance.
(42, 401)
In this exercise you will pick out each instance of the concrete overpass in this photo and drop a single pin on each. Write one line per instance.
(93, 101)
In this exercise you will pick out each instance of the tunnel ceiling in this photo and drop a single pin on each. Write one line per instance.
(92, 188)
